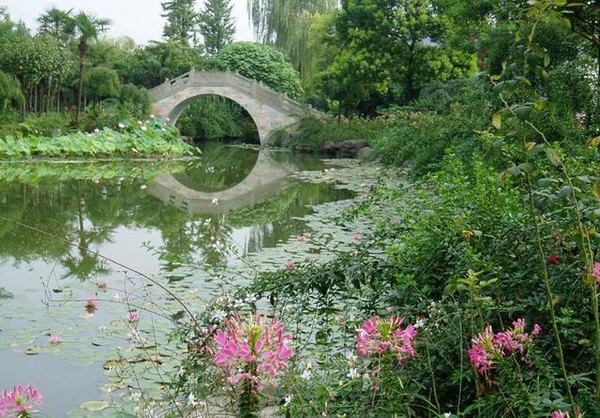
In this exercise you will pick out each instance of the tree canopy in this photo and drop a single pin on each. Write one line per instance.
(262, 63)
(216, 25)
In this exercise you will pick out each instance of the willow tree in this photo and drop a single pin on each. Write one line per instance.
(285, 24)
(10, 91)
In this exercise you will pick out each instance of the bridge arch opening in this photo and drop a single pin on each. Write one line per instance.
(209, 117)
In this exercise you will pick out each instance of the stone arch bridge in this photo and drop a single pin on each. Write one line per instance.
(269, 110)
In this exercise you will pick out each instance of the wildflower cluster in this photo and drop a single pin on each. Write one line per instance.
(488, 347)
(19, 401)
(253, 350)
(380, 336)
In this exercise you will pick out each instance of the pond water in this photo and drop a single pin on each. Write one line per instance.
(63, 224)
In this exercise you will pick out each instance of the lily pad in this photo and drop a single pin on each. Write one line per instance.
(33, 350)
(95, 406)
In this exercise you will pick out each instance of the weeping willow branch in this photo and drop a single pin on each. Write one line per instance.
(285, 24)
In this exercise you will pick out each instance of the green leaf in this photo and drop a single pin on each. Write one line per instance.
(553, 156)
(566, 191)
(523, 112)
(497, 120)
(514, 170)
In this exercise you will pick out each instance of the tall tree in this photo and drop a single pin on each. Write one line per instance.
(216, 25)
(181, 21)
(53, 23)
(380, 45)
(86, 27)
(285, 24)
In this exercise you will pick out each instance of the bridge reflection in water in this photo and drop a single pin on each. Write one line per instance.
(267, 178)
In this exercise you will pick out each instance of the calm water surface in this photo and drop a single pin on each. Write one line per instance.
(150, 217)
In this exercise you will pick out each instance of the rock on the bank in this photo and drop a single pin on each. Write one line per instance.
(347, 149)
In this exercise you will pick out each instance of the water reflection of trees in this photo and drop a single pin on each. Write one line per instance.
(4, 294)
(55, 207)
(224, 167)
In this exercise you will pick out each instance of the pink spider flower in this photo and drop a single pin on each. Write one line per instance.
(379, 336)
(488, 347)
(254, 350)
(289, 265)
(596, 272)
(19, 401)
(481, 349)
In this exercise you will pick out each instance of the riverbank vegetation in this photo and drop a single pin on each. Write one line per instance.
(477, 292)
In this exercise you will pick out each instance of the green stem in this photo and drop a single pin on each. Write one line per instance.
(588, 254)
(548, 288)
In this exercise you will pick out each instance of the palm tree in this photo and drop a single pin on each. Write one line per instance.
(53, 22)
(86, 27)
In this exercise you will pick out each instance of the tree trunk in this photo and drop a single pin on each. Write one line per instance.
(80, 93)
(598, 63)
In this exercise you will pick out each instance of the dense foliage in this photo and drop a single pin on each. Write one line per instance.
(477, 292)
(262, 63)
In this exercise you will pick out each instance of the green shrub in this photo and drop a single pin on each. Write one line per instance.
(102, 83)
(136, 101)
(47, 124)
(262, 63)
(312, 133)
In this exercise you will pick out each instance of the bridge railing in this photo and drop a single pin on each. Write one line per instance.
(171, 85)
(230, 79)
